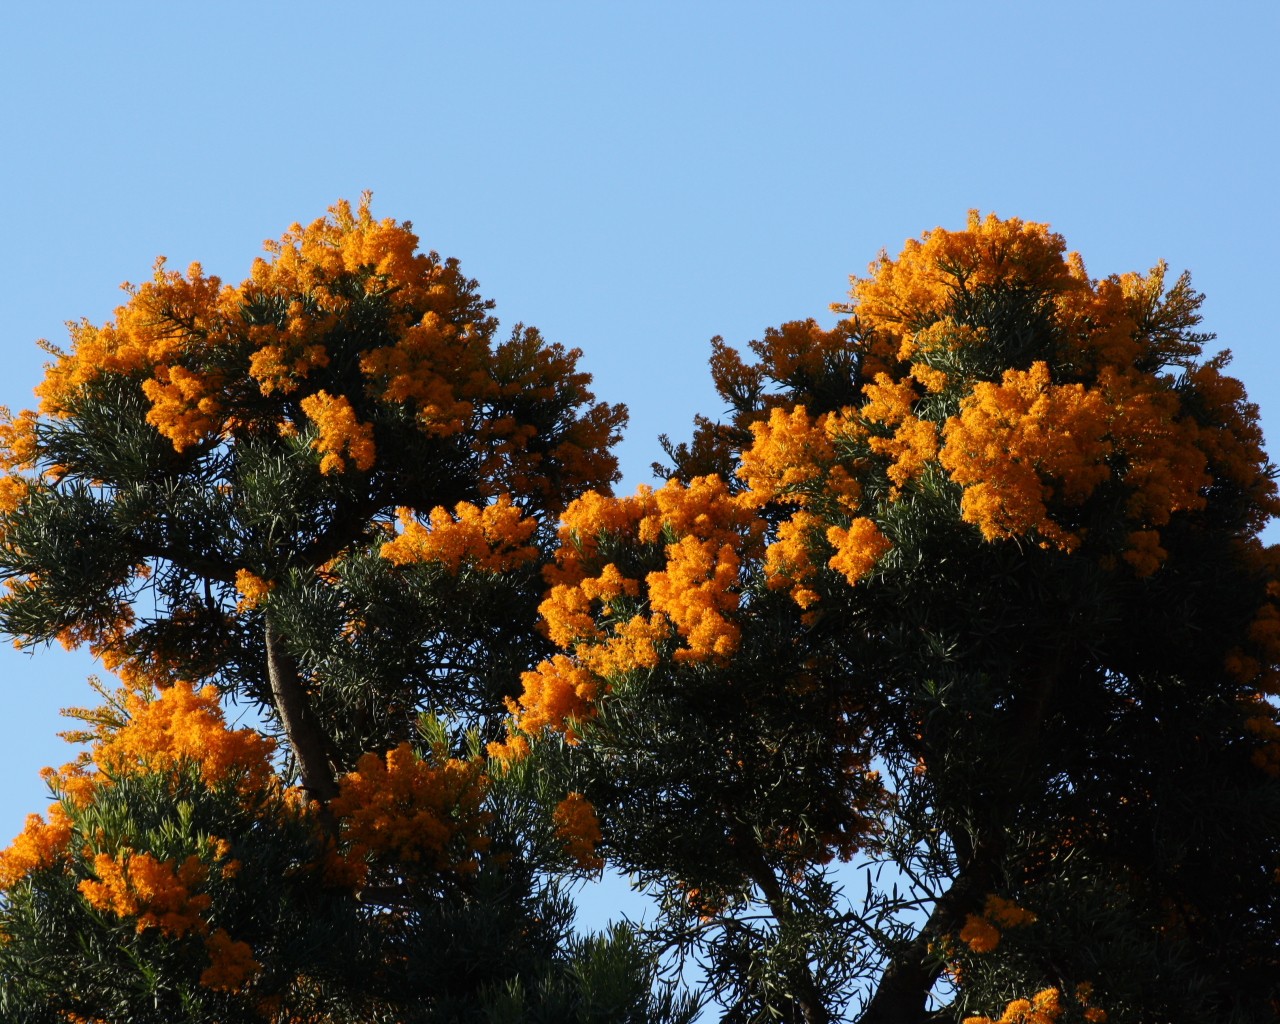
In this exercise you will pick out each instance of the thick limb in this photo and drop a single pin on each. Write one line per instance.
(300, 727)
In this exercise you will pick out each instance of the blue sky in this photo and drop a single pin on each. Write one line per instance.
(631, 178)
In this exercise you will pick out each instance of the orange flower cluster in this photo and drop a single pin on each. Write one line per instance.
(980, 932)
(1045, 1007)
(694, 592)
(857, 549)
(17, 451)
(788, 560)
(1009, 436)
(167, 320)
(253, 589)
(280, 368)
(186, 726)
(408, 809)
(157, 893)
(792, 458)
(577, 826)
(1017, 445)
(914, 443)
(340, 431)
(903, 296)
(205, 358)
(555, 694)
(38, 845)
(704, 532)
(494, 538)
(232, 963)
(409, 371)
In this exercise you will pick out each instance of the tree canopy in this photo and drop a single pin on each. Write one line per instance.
(968, 588)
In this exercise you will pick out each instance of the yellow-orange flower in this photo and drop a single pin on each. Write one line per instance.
(555, 693)
(695, 591)
(905, 295)
(1016, 444)
(413, 810)
(579, 830)
(788, 561)
(157, 893)
(979, 934)
(857, 549)
(493, 538)
(186, 726)
(1045, 1007)
(38, 845)
(340, 431)
(792, 458)
(253, 589)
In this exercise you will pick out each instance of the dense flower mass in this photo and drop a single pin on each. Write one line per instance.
(217, 362)
(157, 893)
(340, 433)
(406, 809)
(494, 538)
(41, 844)
(185, 726)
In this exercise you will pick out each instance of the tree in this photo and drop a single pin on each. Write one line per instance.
(208, 497)
(969, 585)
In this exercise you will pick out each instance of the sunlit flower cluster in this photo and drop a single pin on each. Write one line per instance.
(558, 692)
(792, 458)
(215, 361)
(903, 296)
(405, 808)
(186, 726)
(253, 589)
(339, 432)
(41, 844)
(1016, 444)
(1021, 444)
(157, 893)
(494, 537)
(1045, 1007)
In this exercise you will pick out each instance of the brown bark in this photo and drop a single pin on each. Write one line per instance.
(902, 996)
(807, 994)
(300, 727)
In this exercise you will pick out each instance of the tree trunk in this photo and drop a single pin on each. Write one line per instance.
(902, 996)
(300, 726)
(807, 994)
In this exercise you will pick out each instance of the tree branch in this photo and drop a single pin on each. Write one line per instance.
(807, 994)
(304, 733)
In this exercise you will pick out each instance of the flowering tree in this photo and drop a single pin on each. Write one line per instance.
(970, 586)
(323, 493)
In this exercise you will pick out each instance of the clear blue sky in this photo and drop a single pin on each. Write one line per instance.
(631, 178)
